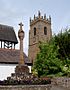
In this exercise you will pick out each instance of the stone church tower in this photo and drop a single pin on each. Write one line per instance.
(40, 30)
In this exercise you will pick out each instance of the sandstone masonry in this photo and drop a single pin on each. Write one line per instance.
(40, 31)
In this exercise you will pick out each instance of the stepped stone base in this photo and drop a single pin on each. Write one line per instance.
(21, 72)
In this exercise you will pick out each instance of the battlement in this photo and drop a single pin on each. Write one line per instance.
(40, 18)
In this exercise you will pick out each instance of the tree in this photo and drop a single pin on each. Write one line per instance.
(63, 42)
(47, 62)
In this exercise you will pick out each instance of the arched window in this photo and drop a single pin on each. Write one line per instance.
(45, 30)
(34, 31)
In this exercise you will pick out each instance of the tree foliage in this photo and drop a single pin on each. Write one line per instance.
(63, 42)
(53, 58)
(47, 62)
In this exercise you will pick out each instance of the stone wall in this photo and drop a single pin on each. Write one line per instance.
(25, 87)
(61, 81)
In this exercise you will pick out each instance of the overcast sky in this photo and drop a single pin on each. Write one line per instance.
(12, 12)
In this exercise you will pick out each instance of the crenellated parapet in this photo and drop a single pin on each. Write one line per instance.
(40, 18)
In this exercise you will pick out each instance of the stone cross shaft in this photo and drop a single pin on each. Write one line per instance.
(21, 37)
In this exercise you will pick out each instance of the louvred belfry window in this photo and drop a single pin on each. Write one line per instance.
(34, 31)
(45, 30)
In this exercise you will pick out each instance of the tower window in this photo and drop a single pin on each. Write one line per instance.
(45, 30)
(34, 31)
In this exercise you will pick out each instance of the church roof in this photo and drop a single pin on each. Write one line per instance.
(7, 34)
(8, 56)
